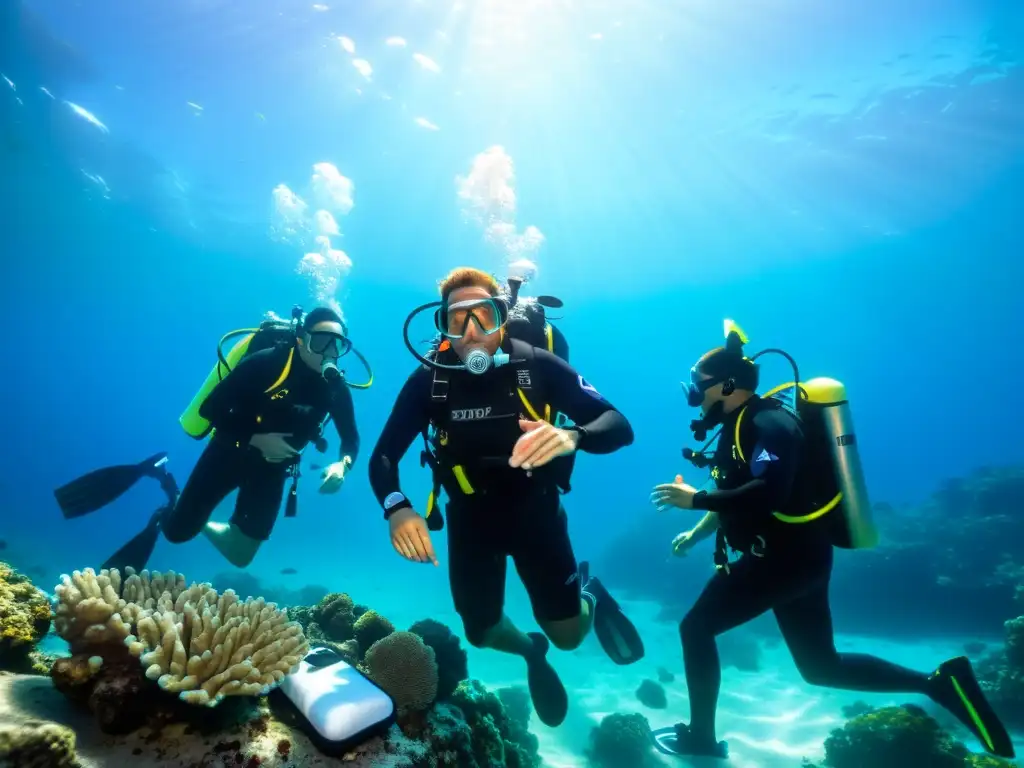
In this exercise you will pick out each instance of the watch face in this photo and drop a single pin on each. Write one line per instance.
(393, 499)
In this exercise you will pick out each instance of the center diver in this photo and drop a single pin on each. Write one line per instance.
(262, 403)
(789, 488)
(489, 399)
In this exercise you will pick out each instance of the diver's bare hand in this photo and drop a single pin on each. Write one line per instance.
(683, 543)
(410, 536)
(274, 447)
(541, 443)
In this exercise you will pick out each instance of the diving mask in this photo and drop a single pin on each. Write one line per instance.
(451, 321)
(697, 387)
(328, 344)
(489, 315)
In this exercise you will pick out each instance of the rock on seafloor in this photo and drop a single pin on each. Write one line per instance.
(263, 742)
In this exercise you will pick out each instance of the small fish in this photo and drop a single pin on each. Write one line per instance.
(3, 545)
(288, 572)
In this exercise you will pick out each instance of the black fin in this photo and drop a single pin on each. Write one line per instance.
(136, 553)
(102, 486)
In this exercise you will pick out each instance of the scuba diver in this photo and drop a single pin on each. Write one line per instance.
(261, 405)
(789, 488)
(491, 399)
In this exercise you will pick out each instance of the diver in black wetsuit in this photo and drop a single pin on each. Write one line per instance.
(492, 397)
(263, 414)
(769, 470)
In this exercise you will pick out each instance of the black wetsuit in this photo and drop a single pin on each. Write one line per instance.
(239, 407)
(508, 513)
(783, 567)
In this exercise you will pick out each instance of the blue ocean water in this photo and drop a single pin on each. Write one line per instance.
(843, 179)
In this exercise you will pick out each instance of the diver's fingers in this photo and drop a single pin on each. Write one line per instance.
(427, 545)
(525, 444)
(404, 547)
(399, 548)
(417, 545)
(666, 487)
(543, 451)
(552, 450)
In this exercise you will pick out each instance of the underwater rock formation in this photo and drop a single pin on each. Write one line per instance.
(922, 569)
(24, 621)
(899, 737)
(126, 635)
(37, 745)
(1001, 675)
(652, 695)
(621, 740)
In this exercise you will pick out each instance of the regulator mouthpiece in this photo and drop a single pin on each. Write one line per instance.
(478, 361)
(329, 370)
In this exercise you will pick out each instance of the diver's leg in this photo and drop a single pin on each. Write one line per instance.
(259, 500)
(215, 475)
(547, 566)
(477, 564)
(730, 599)
(806, 625)
(476, 575)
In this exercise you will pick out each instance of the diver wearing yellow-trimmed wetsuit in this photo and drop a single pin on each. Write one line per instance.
(769, 477)
(261, 415)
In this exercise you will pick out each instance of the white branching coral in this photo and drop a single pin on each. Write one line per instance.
(191, 640)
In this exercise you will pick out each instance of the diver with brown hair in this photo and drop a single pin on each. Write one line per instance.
(490, 401)
(263, 403)
(788, 490)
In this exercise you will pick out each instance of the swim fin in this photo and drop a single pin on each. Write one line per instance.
(954, 686)
(102, 486)
(136, 553)
(678, 740)
(616, 633)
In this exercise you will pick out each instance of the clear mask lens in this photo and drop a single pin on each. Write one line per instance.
(328, 344)
(488, 315)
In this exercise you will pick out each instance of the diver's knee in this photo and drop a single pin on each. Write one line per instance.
(817, 673)
(693, 627)
(475, 634)
(565, 643)
(565, 635)
(177, 534)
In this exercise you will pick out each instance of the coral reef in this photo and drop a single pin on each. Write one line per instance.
(1001, 674)
(151, 627)
(652, 695)
(899, 737)
(405, 668)
(126, 717)
(621, 740)
(665, 676)
(497, 739)
(37, 745)
(24, 620)
(371, 627)
(452, 664)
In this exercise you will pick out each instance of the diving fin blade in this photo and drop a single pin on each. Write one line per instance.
(668, 742)
(550, 302)
(616, 633)
(955, 686)
(100, 487)
(136, 553)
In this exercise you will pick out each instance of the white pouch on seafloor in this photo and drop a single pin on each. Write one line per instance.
(340, 705)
